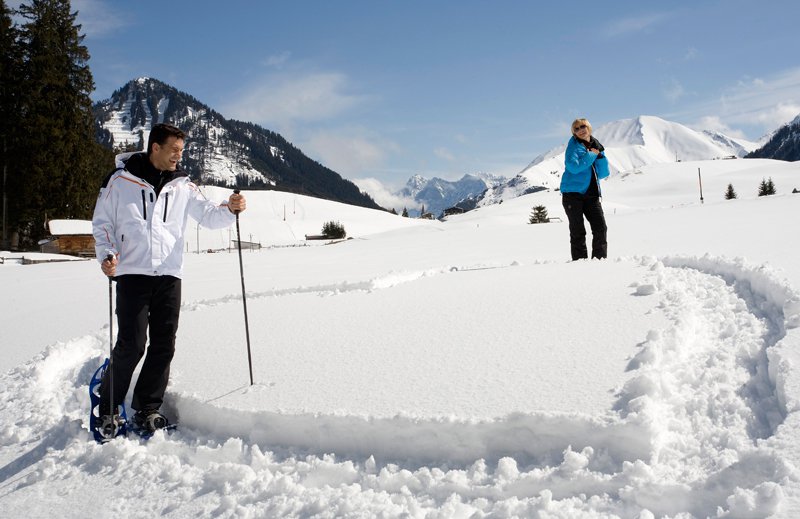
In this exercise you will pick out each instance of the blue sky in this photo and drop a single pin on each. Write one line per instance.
(385, 90)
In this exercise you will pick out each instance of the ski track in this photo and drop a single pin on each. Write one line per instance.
(390, 280)
(707, 400)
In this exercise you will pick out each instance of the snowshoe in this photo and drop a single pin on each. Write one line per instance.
(104, 427)
(109, 427)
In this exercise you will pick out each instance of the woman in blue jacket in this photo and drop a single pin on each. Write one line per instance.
(585, 164)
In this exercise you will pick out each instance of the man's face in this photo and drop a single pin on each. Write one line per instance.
(166, 156)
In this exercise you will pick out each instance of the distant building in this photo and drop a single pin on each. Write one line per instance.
(246, 245)
(453, 210)
(73, 237)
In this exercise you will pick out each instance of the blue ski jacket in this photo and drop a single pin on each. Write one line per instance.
(579, 164)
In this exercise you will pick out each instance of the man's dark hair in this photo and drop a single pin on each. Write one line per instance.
(161, 132)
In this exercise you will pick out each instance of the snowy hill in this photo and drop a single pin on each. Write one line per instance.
(219, 151)
(629, 143)
(440, 369)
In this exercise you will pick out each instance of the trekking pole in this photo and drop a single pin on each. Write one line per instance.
(244, 295)
(112, 406)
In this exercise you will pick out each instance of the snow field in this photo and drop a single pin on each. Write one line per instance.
(669, 389)
(693, 422)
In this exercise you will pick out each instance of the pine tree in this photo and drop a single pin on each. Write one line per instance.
(61, 163)
(405, 212)
(10, 91)
(762, 188)
(730, 194)
(766, 187)
(539, 215)
(770, 187)
(334, 230)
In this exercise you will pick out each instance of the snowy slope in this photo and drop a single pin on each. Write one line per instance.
(125, 130)
(629, 143)
(442, 369)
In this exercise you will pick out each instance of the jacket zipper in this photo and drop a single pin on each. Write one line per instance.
(166, 204)
(144, 205)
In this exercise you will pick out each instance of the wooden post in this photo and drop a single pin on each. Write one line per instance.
(700, 179)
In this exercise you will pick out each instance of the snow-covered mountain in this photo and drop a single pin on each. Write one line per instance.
(414, 185)
(783, 144)
(629, 144)
(219, 151)
(437, 194)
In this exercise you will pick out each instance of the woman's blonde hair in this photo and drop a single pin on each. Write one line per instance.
(579, 122)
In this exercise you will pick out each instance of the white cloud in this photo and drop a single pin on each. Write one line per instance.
(98, 19)
(766, 102)
(383, 196)
(633, 24)
(714, 123)
(674, 91)
(284, 100)
(278, 60)
(777, 115)
(757, 105)
(309, 108)
(444, 153)
(349, 152)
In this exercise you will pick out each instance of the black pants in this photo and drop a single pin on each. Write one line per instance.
(143, 301)
(577, 206)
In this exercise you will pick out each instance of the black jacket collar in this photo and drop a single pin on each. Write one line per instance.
(591, 143)
(139, 164)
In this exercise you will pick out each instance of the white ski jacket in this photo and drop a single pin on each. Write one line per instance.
(144, 231)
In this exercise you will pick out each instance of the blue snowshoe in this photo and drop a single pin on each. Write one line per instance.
(104, 427)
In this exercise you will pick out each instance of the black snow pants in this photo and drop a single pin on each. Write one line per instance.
(142, 302)
(577, 206)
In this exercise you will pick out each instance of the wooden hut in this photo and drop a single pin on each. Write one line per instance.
(73, 237)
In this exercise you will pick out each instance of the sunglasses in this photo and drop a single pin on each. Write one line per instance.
(579, 128)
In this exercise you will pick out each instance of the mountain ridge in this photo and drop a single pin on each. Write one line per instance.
(437, 194)
(782, 144)
(629, 144)
(219, 151)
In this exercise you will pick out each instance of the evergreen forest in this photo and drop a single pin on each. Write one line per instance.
(51, 164)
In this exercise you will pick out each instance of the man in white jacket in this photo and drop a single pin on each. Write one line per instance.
(139, 225)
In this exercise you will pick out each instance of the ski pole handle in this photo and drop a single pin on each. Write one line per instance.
(236, 192)
(110, 259)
